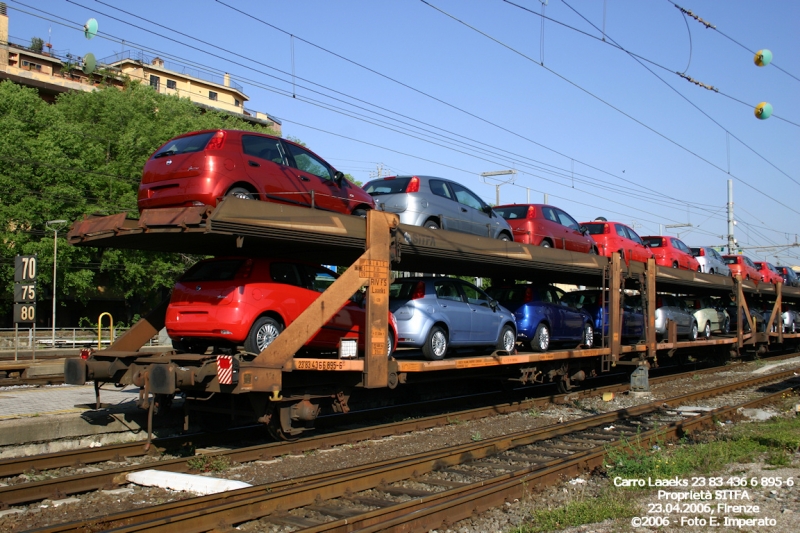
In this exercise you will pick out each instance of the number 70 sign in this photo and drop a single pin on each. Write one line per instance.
(25, 288)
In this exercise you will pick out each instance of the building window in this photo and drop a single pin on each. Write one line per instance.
(31, 66)
(172, 84)
(236, 102)
(155, 82)
(212, 95)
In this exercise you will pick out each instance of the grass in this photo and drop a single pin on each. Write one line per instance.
(210, 463)
(774, 441)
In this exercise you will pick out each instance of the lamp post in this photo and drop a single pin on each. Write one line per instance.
(485, 175)
(54, 225)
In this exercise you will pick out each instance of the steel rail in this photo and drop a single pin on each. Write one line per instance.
(208, 513)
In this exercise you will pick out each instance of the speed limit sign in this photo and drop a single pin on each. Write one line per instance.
(25, 288)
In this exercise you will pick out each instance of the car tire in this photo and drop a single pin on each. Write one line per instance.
(240, 192)
(541, 340)
(504, 237)
(507, 341)
(435, 347)
(588, 335)
(674, 264)
(711, 271)
(699, 269)
(693, 332)
(431, 224)
(545, 244)
(726, 326)
(360, 213)
(389, 343)
(707, 331)
(264, 331)
(592, 251)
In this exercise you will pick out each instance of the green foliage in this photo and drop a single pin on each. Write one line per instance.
(84, 155)
(210, 463)
(578, 512)
(37, 44)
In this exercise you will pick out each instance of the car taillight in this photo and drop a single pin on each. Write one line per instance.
(531, 212)
(85, 353)
(702, 252)
(413, 185)
(419, 291)
(246, 269)
(606, 229)
(528, 295)
(216, 141)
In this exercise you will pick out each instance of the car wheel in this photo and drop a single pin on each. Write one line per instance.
(674, 264)
(507, 341)
(435, 346)
(693, 332)
(707, 331)
(389, 343)
(546, 244)
(504, 237)
(593, 251)
(588, 335)
(541, 340)
(360, 213)
(240, 192)
(726, 327)
(431, 224)
(711, 271)
(699, 269)
(264, 331)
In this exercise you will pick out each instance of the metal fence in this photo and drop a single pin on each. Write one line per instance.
(29, 338)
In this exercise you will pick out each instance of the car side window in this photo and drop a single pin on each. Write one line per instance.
(466, 197)
(447, 290)
(440, 188)
(681, 246)
(632, 235)
(263, 148)
(475, 296)
(748, 262)
(621, 231)
(549, 214)
(319, 279)
(285, 273)
(307, 162)
(567, 220)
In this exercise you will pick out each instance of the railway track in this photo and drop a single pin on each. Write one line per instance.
(85, 482)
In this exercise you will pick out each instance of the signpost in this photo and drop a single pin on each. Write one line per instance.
(25, 270)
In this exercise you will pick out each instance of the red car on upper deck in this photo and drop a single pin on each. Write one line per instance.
(769, 273)
(201, 167)
(671, 252)
(743, 266)
(546, 225)
(615, 237)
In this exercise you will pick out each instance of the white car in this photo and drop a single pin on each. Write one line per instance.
(709, 316)
(711, 262)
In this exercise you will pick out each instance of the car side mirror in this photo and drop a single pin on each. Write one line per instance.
(338, 177)
(584, 230)
(493, 305)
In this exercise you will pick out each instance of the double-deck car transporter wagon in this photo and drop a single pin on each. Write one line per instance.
(287, 390)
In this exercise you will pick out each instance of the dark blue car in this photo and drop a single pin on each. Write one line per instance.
(590, 301)
(543, 317)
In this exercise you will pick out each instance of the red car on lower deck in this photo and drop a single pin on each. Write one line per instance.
(240, 301)
(546, 225)
(671, 252)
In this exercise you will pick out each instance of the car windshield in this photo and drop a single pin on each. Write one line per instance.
(653, 242)
(593, 229)
(511, 212)
(222, 270)
(185, 145)
(387, 186)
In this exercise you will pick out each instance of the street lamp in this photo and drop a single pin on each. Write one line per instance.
(499, 173)
(56, 225)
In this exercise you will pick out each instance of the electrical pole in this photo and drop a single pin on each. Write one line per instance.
(731, 240)
(497, 186)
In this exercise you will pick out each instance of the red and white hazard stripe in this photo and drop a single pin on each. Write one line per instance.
(225, 369)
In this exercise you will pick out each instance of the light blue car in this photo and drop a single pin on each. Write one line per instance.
(437, 313)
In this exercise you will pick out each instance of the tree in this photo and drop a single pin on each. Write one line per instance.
(84, 155)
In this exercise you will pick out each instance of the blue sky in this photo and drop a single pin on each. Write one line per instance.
(454, 88)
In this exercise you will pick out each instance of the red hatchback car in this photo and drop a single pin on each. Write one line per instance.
(239, 301)
(613, 237)
(671, 252)
(769, 273)
(201, 167)
(545, 225)
(743, 266)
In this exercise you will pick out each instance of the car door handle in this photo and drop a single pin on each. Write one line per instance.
(253, 163)
(463, 210)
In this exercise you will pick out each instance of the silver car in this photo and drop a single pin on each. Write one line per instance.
(437, 203)
(436, 313)
(672, 308)
(711, 261)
